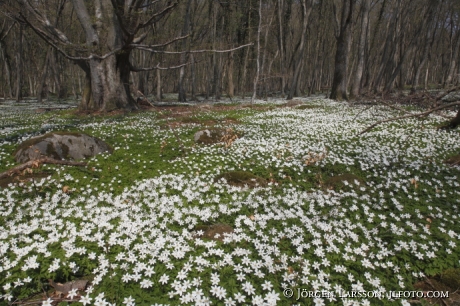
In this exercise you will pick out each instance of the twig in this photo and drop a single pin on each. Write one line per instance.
(191, 51)
(362, 111)
(431, 285)
(145, 98)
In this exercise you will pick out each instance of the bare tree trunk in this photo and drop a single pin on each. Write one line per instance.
(42, 90)
(109, 77)
(183, 58)
(256, 78)
(339, 83)
(246, 57)
(231, 85)
(158, 91)
(281, 44)
(19, 65)
(430, 22)
(306, 10)
(193, 76)
(7, 61)
(356, 87)
(453, 62)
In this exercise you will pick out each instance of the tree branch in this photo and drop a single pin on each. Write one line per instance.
(424, 114)
(193, 51)
(50, 41)
(138, 69)
(154, 17)
(4, 34)
(159, 45)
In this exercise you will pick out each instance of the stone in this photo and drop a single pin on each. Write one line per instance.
(61, 146)
(209, 136)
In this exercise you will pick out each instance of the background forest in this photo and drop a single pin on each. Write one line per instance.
(296, 47)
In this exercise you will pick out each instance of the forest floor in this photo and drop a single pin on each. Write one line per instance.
(290, 206)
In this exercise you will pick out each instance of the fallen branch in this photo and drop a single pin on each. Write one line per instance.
(145, 98)
(424, 114)
(36, 164)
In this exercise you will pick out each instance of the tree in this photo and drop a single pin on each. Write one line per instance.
(344, 27)
(306, 10)
(112, 30)
(365, 8)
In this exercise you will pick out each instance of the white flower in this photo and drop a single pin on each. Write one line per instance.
(218, 292)
(247, 286)
(85, 300)
(164, 279)
(129, 301)
(239, 297)
(48, 302)
(146, 283)
(72, 293)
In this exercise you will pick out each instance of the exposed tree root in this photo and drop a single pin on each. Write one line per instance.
(36, 164)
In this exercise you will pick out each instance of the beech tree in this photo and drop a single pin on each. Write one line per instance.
(112, 30)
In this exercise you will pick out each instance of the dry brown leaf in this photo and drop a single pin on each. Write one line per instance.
(66, 189)
(35, 164)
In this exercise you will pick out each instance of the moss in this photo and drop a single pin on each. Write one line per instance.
(451, 278)
(241, 179)
(454, 160)
(214, 232)
(51, 151)
(337, 182)
(65, 150)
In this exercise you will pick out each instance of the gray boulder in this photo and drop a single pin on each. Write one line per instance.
(61, 146)
(452, 97)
